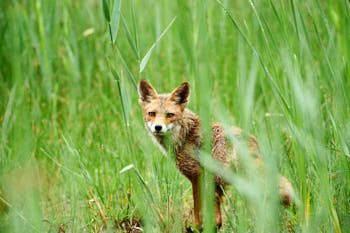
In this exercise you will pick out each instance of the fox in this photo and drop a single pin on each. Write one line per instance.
(168, 113)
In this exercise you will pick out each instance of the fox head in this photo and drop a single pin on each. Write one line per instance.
(162, 112)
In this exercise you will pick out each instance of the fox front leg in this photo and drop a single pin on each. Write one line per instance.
(196, 190)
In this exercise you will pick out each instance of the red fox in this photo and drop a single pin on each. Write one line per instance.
(168, 112)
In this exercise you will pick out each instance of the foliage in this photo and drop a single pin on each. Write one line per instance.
(74, 154)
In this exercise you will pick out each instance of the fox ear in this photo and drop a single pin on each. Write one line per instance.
(181, 94)
(146, 91)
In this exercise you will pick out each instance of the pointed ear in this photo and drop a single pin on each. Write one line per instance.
(181, 94)
(146, 92)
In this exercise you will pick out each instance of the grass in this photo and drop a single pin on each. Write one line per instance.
(74, 154)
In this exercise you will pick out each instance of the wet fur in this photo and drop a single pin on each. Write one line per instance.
(187, 140)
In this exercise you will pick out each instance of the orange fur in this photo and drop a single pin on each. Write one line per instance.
(168, 112)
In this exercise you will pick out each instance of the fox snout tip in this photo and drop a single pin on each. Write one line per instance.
(157, 128)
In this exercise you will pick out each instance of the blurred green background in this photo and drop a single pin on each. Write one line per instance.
(75, 156)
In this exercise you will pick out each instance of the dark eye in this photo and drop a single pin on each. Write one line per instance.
(152, 114)
(170, 115)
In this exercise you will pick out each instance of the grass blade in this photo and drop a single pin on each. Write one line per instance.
(106, 10)
(128, 167)
(115, 20)
(129, 37)
(7, 115)
(122, 98)
(148, 54)
(135, 28)
(131, 77)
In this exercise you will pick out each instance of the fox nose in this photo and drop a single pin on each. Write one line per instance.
(158, 128)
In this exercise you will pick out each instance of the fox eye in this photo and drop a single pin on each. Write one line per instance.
(170, 115)
(152, 114)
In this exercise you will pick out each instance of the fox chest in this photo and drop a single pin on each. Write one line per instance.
(186, 163)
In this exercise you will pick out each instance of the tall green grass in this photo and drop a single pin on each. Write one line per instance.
(74, 153)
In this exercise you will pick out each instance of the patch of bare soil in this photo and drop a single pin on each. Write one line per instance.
(133, 225)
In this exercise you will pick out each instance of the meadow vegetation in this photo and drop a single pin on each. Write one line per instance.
(74, 153)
